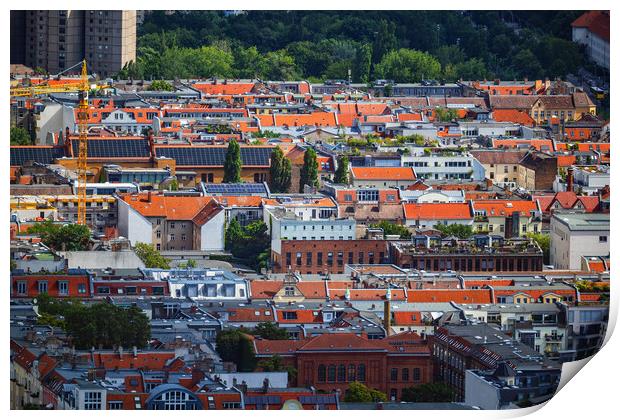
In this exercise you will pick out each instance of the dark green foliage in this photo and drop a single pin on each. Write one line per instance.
(280, 172)
(434, 392)
(544, 242)
(99, 325)
(161, 85)
(358, 392)
(460, 231)
(232, 164)
(235, 346)
(406, 65)
(393, 229)
(150, 256)
(270, 331)
(20, 137)
(248, 244)
(342, 172)
(445, 115)
(70, 237)
(310, 170)
(318, 44)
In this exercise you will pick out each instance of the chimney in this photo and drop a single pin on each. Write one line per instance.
(120, 352)
(148, 197)
(569, 179)
(135, 351)
(387, 315)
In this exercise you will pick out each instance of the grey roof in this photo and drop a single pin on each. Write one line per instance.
(583, 221)
(126, 259)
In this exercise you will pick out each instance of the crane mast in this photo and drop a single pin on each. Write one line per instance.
(82, 145)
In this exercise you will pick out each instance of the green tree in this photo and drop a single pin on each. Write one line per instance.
(69, 237)
(358, 392)
(342, 172)
(527, 64)
(433, 392)
(249, 63)
(161, 85)
(279, 171)
(270, 331)
(393, 229)
(362, 64)
(406, 65)
(445, 114)
(309, 171)
(20, 137)
(544, 242)
(385, 40)
(150, 256)
(280, 66)
(248, 244)
(232, 164)
(458, 230)
(235, 346)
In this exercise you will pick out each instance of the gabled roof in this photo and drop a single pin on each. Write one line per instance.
(498, 156)
(227, 88)
(437, 211)
(451, 295)
(383, 173)
(512, 101)
(513, 115)
(366, 294)
(596, 21)
(496, 208)
(197, 209)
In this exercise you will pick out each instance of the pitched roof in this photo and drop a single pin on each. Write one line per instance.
(238, 314)
(512, 101)
(596, 21)
(498, 156)
(451, 295)
(381, 173)
(505, 207)
(513, 115)
(437, 211)
(227, 88)
(239, 200)
(556, 101)
(265, 289)
(407, 318)
(197, 209)
(366, 294)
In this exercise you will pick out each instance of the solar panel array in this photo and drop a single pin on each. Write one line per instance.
(44, 155)
(317, 399)
(115, 148)
(214, 156)
(263, 399)
(235, 189)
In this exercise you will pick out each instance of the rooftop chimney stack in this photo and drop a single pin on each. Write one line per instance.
(569, 179)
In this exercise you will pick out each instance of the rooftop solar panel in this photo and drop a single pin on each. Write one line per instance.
(214, 156)
(115, 148)
(44, 155)
(235, 189)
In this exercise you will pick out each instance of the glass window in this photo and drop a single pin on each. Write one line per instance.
(63, 287)
(331, 373)
(342, 373)
(21, 287)
(361, 373)
(405, 374)
(42, 286)
(321, 373)
(394, 374)
(416, 374)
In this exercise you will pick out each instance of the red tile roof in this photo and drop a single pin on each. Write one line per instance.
(407, 318)
(143, 360)
(250, 315)
(513, 115)
(452, 295)
(304, 316)
(366, 294)
(596, 21)
(437, 211)
(228, 88)
(198, 209)
(383, 173)
(496, 208)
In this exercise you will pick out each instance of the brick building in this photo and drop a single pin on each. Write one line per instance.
(331, 361)
(76, 283)
(537, 171)
(317, 257)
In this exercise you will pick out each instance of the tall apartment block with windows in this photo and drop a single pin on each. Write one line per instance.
(57, 39)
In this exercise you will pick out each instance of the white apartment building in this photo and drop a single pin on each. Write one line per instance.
(575, 235)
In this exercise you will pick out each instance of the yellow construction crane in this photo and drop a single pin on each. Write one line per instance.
(81, 86)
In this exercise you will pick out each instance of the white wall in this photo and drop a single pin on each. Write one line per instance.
(480, 393)
(212, 233)
(567, 248)
(132, 225)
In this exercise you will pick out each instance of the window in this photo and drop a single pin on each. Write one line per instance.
(330, 258)
(416, 374)
(158, 234)
(289, 291)
(21, 287)
(115, 405)
(289, 315)
(104, 290)
(350, 258)
(351, 375)
(331, 373)
(319, 258)
(92, 400)
(361, 373)
(340, 258)
(63, 287)
(171, 225)
(81, 288)
(393, 374)
(321, 373)
(342, 373)
(42, 286)
(230, 405)
(602, 238)
(405, 374)
(298, 258)
(288, 259)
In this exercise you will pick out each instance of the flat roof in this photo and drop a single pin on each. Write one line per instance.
(583, 221)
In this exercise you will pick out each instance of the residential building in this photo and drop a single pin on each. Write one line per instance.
(203, 285)
(578, 235)
(501, 167)
(592, 30)
(537, 171)
(507, 218)
(428, 215)
(442, 165)
(382, 177)
(172, 222)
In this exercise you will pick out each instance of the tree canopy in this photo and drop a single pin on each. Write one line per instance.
(358, 392)
(342, 172)
(150, 256)
(20, 137)
(249, 244)
(309, 171)
(544, 242)
(279, 172)
(59, 237)
(458, 230)
(232, 164)
(393, 229)
(99, 325)
(235, 346)
(432, 392)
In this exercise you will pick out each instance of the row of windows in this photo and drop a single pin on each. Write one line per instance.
(43, 287)
(330, 258)
(341, 373)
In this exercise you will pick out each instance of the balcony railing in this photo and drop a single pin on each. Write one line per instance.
(554, 337)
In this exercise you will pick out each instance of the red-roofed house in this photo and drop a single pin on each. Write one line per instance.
(507, 218)
(427, 215)
(382, 177)
(592, 30)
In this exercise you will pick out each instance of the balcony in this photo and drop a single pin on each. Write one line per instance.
(554, 337)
